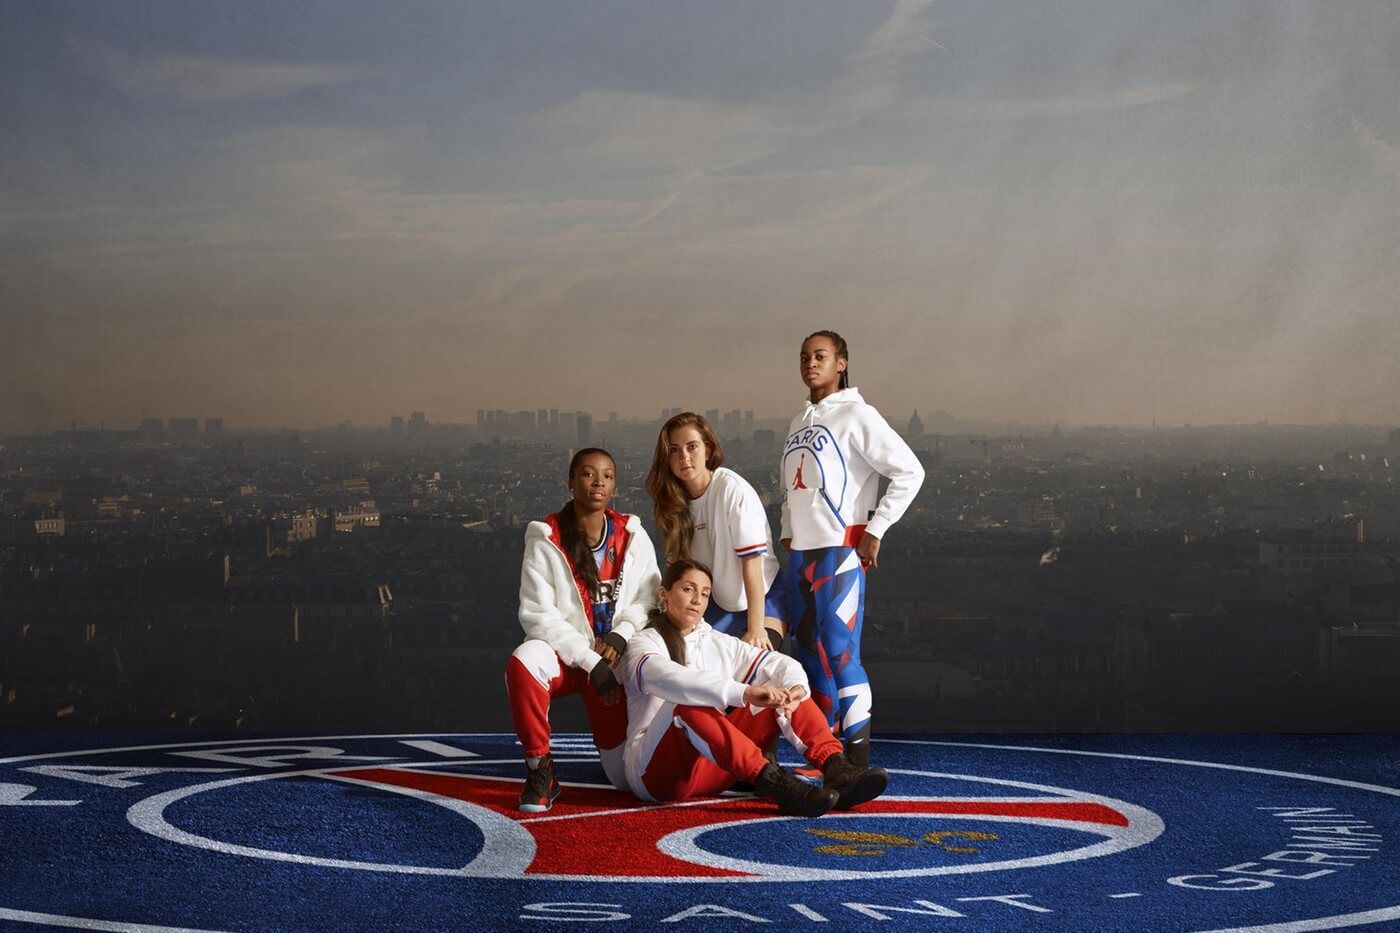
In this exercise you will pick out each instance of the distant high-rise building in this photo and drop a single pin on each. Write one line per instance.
(213, 428)
(480, 417)
(585, 429)
(396, 425)
(542, 421)
(152, 430)
(553, 422)
(184, 430)
(748, 421)
(567, 420)
(712, 416)
(612, 417)
(417, 422)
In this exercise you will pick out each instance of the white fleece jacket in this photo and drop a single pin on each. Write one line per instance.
(835, 452)
(718, 667)
(551, 608)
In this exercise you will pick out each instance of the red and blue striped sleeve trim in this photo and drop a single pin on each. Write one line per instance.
(753, 668)
(753, 550)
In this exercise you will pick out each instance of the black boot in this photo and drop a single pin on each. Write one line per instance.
(857, 746)
(854, 784)
(794, 797)
(771, 753)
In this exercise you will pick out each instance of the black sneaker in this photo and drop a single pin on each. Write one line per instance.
(854, 785)
(541, 787)
(794, 797)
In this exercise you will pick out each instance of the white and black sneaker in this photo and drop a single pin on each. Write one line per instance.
(541, 787)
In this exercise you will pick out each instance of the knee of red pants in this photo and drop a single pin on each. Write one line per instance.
(540, 660)
(532, 673)
(729, 745)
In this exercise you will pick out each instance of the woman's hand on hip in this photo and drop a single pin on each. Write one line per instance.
(868, 550)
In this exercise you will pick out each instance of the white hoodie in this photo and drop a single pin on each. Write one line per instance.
(831, 459)
(551, 607)
(717, 669)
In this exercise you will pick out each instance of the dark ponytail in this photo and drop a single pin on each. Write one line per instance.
(659, 620)
(839, 343)
(571, 536)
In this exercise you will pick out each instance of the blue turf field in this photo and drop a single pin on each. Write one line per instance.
(976, 833)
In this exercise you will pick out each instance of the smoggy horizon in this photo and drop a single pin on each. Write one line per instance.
(1078, 213)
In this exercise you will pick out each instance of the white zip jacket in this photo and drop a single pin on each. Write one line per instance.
(718, 667)
(551, 607)
(835, 453)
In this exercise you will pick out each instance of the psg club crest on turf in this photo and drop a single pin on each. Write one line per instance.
(397, 829)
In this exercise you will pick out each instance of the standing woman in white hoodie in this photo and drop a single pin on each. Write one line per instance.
(588, 578)
(835, 453)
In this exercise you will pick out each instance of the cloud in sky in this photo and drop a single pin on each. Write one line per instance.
(870, 77)
(1058, 215)
(199, 79)
(1030, 108)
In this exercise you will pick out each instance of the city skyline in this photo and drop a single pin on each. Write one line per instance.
(1067, 213)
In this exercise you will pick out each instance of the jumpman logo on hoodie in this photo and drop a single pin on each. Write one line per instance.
(797, 480)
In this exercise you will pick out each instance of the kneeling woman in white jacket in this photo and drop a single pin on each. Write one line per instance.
(702, 704)
(588, 578)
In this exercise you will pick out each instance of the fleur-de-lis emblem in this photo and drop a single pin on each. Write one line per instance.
(852, 842)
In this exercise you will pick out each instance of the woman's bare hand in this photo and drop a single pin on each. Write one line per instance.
(758, 639)
(868, 550)
(765, 695)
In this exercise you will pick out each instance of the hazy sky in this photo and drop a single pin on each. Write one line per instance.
(301, 213)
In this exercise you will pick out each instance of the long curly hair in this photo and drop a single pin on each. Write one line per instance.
(670, 504)
(659, 620)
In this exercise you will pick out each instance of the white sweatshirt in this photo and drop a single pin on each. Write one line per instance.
(835, 452)
(718, 667)
(551, 607)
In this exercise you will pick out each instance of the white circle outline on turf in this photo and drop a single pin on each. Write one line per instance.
(1293, 926)
(1143, 827)
(1335, 922)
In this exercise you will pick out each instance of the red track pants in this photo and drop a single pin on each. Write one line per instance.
(704, 751)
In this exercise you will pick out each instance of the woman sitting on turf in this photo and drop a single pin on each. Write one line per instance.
(702, 704)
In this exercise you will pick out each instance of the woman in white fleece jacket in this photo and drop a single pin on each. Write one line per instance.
(835, 453)
(587, 580)
(702, 704)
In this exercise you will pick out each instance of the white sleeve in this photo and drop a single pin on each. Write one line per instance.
(540, 614)
(748, 523)
(631, 619)
(763, 666)
(886, 451)
(651, 669)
